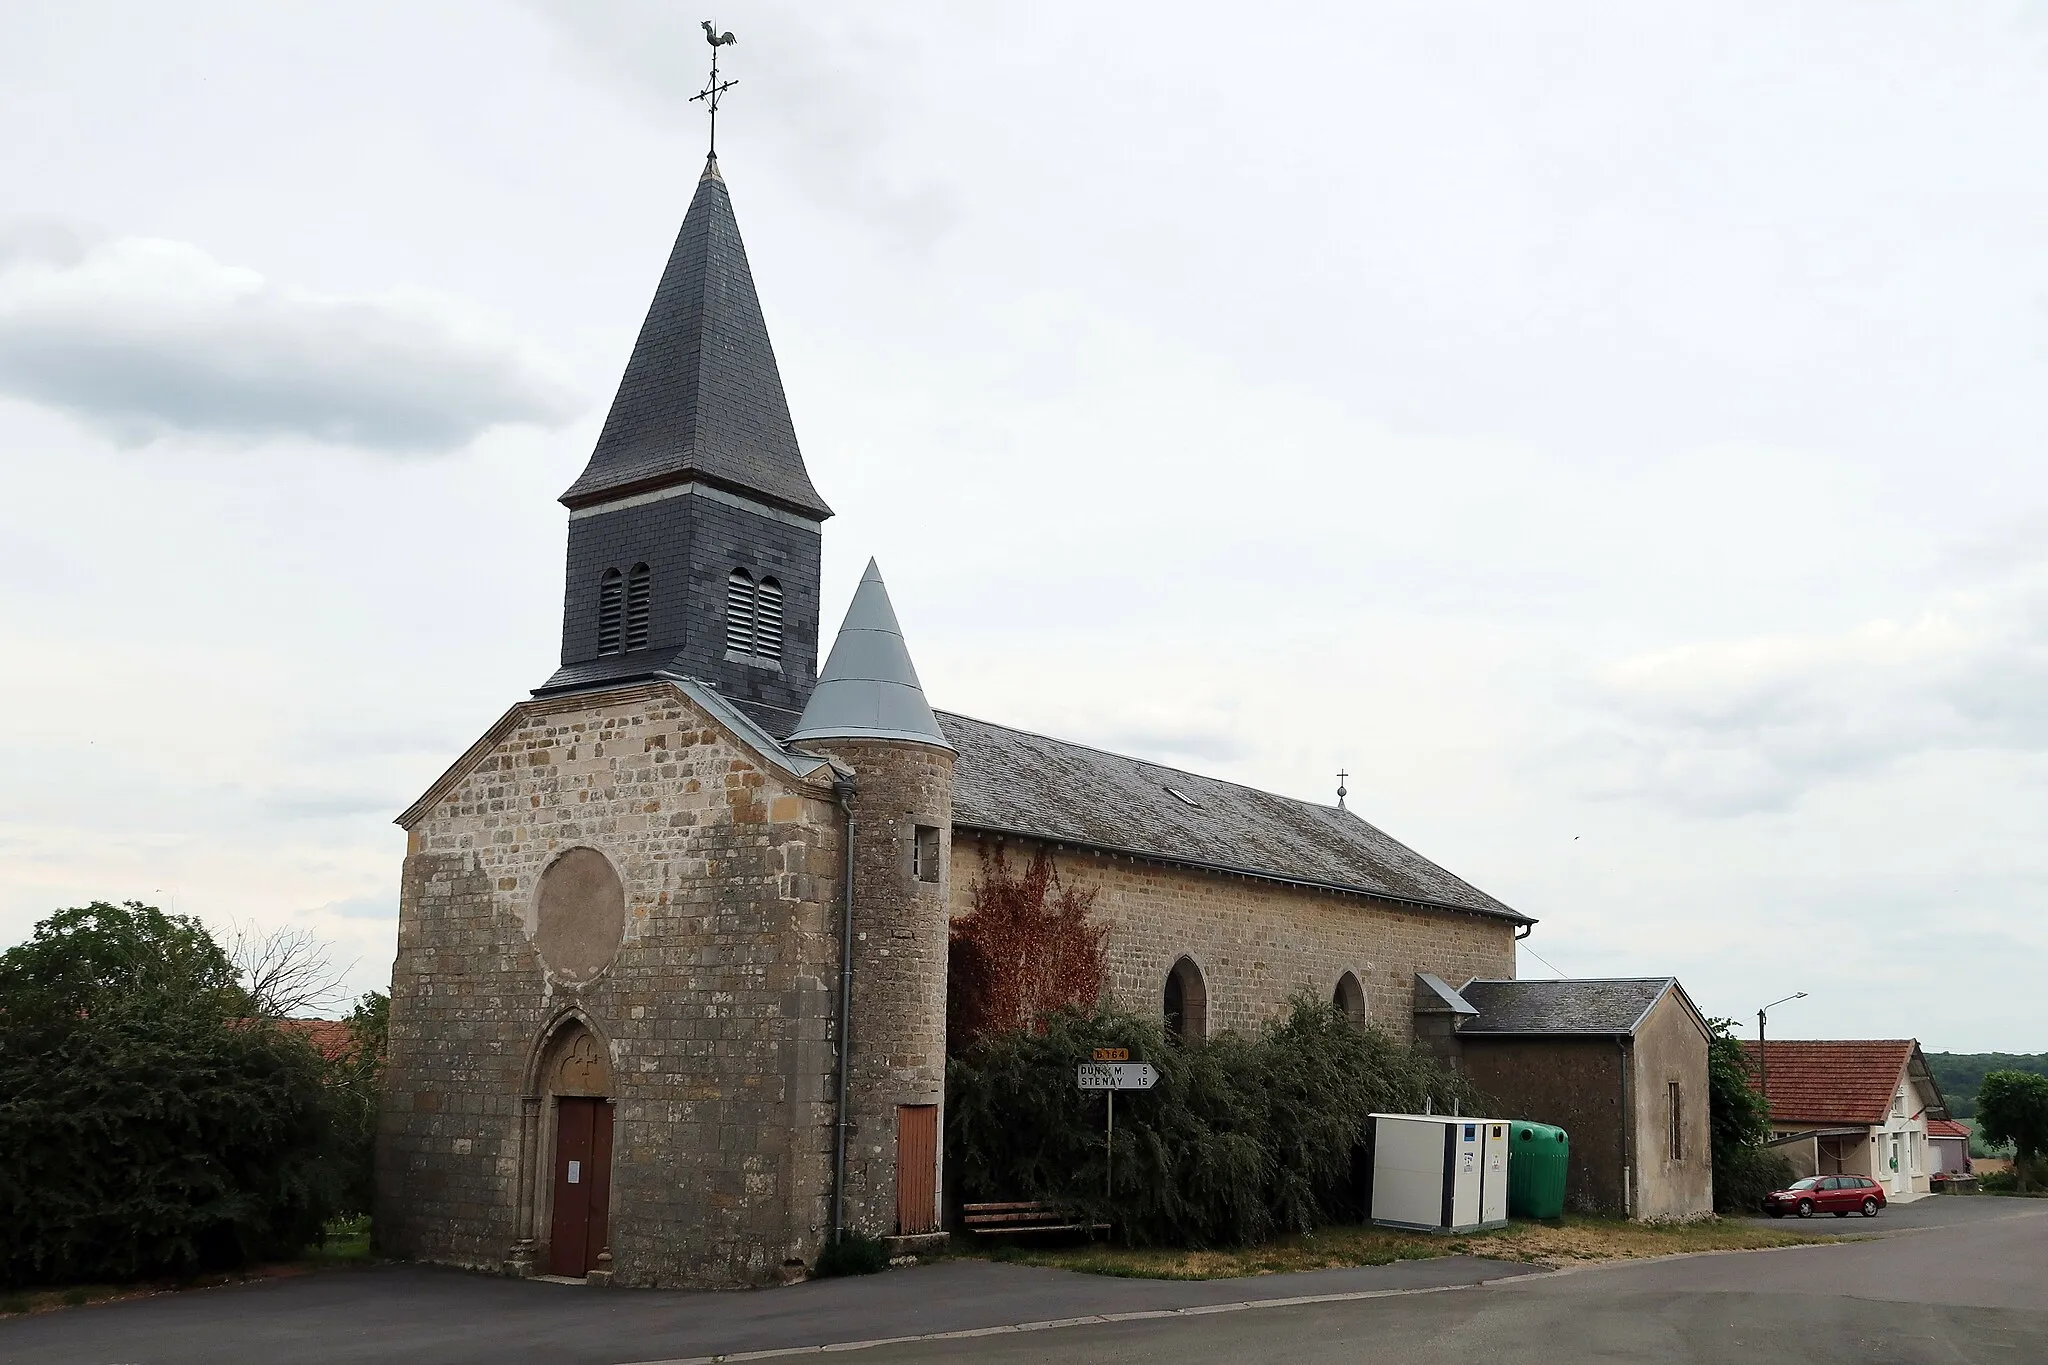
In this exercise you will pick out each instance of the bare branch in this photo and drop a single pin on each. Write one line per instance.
(286, 971)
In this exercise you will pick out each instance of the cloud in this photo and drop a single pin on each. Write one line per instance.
(1732, 727)
(143, 339)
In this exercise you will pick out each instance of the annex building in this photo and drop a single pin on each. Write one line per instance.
(669, 999)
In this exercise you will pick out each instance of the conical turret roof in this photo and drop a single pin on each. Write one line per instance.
(702, 398)
(868, 688)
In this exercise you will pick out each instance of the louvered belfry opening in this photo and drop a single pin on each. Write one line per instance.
(739, 612)
(639, 606)
(611, 613)
(768, 620)
(698, 476)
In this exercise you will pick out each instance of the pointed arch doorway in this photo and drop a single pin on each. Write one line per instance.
(576, 1093)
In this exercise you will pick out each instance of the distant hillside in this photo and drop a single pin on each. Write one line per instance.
(1960, 1073)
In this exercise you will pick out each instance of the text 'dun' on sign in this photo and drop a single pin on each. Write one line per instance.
(1117, 1076)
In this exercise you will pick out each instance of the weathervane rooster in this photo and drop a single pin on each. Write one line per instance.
(714, 87)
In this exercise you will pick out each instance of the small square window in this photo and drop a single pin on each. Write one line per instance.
(924, 853)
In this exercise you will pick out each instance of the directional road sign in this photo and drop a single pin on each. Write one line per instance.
(1118, 1076)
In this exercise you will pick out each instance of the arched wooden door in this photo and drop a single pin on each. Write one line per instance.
(583, 1185)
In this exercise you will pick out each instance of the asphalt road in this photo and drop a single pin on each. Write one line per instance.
(1950, 1284)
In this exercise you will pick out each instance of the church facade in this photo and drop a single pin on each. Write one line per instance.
(669, 1000)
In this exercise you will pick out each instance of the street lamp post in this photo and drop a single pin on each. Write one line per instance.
(1763, 1060)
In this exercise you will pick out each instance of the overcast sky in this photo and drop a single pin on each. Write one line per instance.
(1612, 432)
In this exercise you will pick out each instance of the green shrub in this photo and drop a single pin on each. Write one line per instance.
(853, 1253)
(1743, 1175)
(1998, 1182)
(150, 1126)
(1244, 1137)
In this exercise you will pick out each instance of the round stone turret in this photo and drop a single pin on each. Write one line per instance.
(869, 714)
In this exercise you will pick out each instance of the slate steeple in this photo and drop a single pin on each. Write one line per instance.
(694, 528)
(702, 397)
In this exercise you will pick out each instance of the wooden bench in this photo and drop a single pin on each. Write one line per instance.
(990, 1220)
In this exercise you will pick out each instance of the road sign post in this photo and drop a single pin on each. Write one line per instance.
(1111, 1071)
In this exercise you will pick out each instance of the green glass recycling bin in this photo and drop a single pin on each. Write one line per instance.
(1538, 1156)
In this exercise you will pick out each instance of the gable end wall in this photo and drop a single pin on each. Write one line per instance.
(717, 1008)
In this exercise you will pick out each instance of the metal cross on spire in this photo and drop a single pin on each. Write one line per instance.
(1341, 792)
(714, 87)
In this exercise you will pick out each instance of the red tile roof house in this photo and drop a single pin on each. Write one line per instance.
(1853, 1107)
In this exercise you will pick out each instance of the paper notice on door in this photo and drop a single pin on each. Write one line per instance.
(575, 1173)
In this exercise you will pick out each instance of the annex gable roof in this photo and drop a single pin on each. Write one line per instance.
(1840, 1080)
(1607, 1006)
(1014, 782)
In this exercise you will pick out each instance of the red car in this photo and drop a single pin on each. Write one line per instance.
(1840, 1195)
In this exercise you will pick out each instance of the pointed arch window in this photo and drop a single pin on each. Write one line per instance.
(639, 606)
(1186, 1003)
(739, 612)
(1349, 998)
(768, 620)
(611, 613)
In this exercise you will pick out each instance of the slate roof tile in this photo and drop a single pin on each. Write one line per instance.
(1606, 1005)
(702, 396)
(1016, 782)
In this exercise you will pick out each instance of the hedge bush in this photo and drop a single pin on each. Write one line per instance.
(1245, 1136)
(1744, 1175)
(150, 1125)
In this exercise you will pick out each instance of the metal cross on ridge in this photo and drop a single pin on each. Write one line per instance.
(1341, 792)
(713, 88)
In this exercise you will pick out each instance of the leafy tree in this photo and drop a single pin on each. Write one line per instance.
(1960, 1073)
(150, 1124)
(1025, 949)
(83, 959)
(1740, 1123)
(2012, 1107)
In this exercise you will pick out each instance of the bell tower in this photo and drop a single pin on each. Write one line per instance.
(694, 529)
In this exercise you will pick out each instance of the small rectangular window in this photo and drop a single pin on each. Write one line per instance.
(1677, 1124)
(924, 853)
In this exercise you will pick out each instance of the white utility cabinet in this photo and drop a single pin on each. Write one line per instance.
(1439, 1172)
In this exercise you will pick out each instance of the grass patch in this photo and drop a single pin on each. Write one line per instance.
(1574, 1240)
(347, 1241)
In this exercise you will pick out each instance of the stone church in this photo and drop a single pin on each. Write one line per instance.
(669, 1000)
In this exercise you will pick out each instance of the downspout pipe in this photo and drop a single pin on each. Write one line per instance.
(843, 787)
(1629, 1175)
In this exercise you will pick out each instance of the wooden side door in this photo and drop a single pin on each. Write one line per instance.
(917, 1168)
(582, 1203)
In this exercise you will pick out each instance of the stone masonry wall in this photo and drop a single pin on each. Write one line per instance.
(1257, 943)
(899, 955)
(716, 1010)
